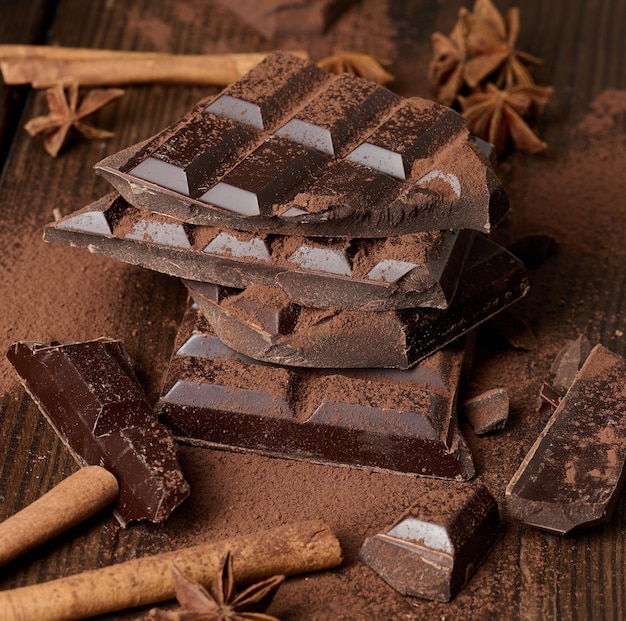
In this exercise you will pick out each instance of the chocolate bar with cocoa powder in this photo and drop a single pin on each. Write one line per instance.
(436, 546)
(572, 476)
(378, 418)
(420, 269)
(293, 149)
(263, 323)
(89, 394)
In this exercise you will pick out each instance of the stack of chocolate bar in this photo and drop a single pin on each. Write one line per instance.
(333, 237)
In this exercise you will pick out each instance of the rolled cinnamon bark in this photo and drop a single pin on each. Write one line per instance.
(69, 503)
(44, 66)
(287, 550)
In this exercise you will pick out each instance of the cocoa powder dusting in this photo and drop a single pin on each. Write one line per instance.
(576, 195)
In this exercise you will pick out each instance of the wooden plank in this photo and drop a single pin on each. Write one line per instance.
(20, 22)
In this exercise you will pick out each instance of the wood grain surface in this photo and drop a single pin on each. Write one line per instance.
(530, 574)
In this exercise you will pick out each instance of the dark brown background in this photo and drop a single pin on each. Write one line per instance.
(574, 193)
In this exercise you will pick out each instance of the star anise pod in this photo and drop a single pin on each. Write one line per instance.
(66, 113)
(220, 603)
(447, 67)
(361, 65)
(497, 116)
(491, 46)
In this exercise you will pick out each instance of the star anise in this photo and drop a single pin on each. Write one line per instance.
(220, 603)
(66, 113)
(447, 67)
(497, 116)
(361, 65)
(491, 46)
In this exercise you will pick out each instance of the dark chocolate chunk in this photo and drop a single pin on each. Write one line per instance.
(417, 129)
(198, 152)
(421, 269)
(269, 175)
(394, 420)
(488, 411)
(434, 549)
(339, 337)
(568, 362)
(269, 92)
(89, 394)
(385, 165)
(572, 476)
(343, 112)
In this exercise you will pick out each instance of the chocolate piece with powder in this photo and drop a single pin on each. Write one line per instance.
(292, 149)
(572, 475)
(387, 419)
(89, 394)
(434, 549)
(263, 323)
(420, 269)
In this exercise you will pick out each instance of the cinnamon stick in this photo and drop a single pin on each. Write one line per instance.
(287, 550)
(44, 66)
(77, 497)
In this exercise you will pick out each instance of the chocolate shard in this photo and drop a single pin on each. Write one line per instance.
(568, 362)
(434, 549)
(379, 418)
(263, 322)
(284, 17)
(354, 160)
(89, 394)
(420, 269)
(572, 475)
(488, 411)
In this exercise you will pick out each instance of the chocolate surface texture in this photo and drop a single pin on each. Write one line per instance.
(90, 396)
(420, 269)
(264, 324)
(293, 149)
(434, 549)
(572, 476)
(380, 418)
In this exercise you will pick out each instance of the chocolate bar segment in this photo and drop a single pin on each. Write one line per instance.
(434, 549)
(385, 165)
(380, 418)
(197, 153)
(572, 475)
(269, 91)
(90, 396)
(263, 323)
(421, 269)
(415, 130)
(270, 174)
(344, 111)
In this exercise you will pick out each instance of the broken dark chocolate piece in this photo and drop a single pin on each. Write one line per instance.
(421, 269)
(264, 324)
(284, 17)
(354, 160)
(380, 418)
(568, 362)
(563, 371)
(90, 396)
(572, 476)
(434, 549)
(488, 411)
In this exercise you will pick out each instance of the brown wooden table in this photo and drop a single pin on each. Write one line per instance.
(529, 575)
